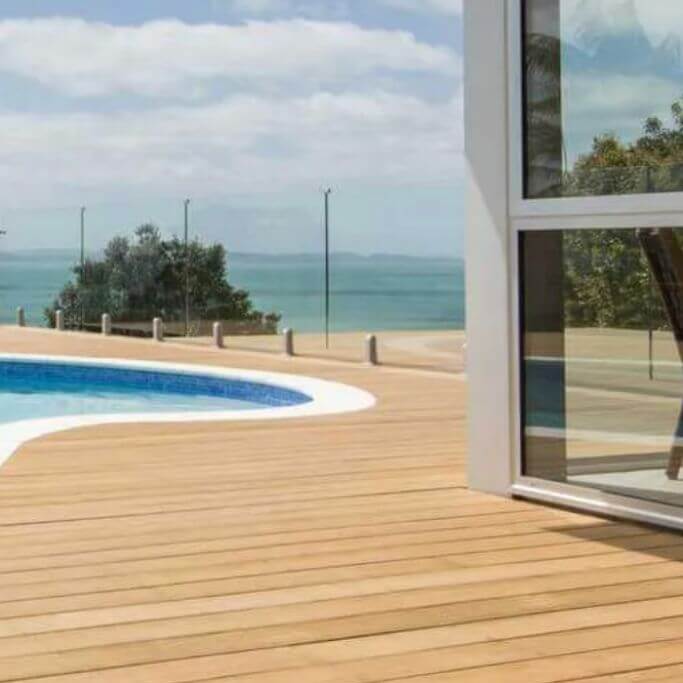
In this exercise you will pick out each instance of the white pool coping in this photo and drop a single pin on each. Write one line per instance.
(329, 398)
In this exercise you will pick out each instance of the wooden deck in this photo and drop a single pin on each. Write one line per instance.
(340, 549)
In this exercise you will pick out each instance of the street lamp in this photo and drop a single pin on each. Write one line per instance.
(83, 284)
(327, 192)
(83, 210)
(187, 267)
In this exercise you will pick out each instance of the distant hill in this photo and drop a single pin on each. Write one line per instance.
(42, 254)
(340, 256)
(306, 257)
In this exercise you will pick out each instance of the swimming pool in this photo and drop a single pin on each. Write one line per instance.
(40, 395)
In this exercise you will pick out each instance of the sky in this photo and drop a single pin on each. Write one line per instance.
(247, 107)
(630, 67)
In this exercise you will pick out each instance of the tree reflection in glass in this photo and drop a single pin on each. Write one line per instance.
(600, 80)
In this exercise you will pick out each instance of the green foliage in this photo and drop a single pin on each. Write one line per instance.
(607, 278)
(608, 282)
(653, 163)
(144, 278)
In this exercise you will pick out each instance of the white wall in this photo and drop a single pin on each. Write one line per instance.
(488, 296)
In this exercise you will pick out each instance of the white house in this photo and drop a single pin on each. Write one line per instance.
(574, 252)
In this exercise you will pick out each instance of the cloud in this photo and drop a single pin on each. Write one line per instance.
(658, 19)
(426, 6)
(260, 6)
(596, 103)
(306, 8)
(242, 144)
(316, 8)
(172, 58)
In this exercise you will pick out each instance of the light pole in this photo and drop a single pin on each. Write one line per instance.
(83, 209)
(83, 241)
(327, 194)
(187, 267)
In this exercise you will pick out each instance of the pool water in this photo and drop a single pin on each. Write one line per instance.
(19, 402)
(36, 390)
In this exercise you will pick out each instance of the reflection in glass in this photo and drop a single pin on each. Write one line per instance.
(602, 347)
(603, 82)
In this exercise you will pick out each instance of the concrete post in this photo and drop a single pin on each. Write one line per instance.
(288, 342)
(59, 321)
(21, 317)
(158, 329)
(106, 325)
(218, 339)
(371, 355)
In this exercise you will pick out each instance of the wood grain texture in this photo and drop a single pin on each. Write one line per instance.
(342, 548)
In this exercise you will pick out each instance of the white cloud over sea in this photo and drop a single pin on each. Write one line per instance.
(244, 143)
(112, 111)
(447, 7)
(169, 57)
(339, 7)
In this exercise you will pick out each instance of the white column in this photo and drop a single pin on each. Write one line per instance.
(158, 329)
(489, 350)
(21, 317)
(59, 321)
(106, 324)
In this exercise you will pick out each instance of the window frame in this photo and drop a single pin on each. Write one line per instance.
(565, 213)
(521, 207)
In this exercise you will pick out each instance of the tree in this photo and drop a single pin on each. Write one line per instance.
(653, 163)
(607, 277)
(608, 282)
(140, 279)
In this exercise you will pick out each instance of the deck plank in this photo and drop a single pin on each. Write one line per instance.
(342, 548)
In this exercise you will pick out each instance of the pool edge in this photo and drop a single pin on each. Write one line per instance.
(328, 398)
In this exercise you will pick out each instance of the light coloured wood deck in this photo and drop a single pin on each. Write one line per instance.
(335, 549)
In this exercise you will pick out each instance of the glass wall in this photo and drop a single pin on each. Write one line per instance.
(602, 349)
(251, 142)
(255, 263)
(39, 250)
(271, 249)
(395, 271)
(603, 89)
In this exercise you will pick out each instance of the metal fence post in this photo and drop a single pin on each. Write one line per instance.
(371, 356)
(218, 339)
(288, 342)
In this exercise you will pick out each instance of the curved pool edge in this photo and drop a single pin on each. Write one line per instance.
(328, 398)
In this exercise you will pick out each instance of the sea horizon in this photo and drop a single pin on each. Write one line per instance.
(369, 292)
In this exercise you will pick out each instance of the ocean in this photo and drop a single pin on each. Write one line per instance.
(373, 293)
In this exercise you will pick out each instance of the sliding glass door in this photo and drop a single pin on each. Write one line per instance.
(601, 362)
(599, 248)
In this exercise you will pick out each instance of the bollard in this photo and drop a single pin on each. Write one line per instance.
(158, 329)
(106, 325)
(464, 357)
(21, 317)
(218, 340)
(59, 321)
(371, 350)
(288, 342)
